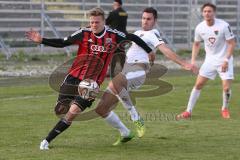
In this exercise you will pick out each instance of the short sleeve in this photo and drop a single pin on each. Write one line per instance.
(156, 39)
(197, 36)
(228, 33)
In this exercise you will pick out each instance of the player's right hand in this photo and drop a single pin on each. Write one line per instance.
(195, 69)
(151, 57)
(190, 67)
(33, 36)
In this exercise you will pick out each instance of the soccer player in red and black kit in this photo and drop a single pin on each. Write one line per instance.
(98, 44)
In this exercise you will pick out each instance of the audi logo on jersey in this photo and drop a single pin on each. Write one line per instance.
(108, 47)
(96, 48)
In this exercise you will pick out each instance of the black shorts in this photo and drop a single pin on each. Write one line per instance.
(68, 94)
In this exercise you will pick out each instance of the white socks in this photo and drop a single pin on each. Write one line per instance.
(133, 113)
(226, 98)
(193, 99)
(113, 120)
(130, 108)
(125, 99)
(195, 94)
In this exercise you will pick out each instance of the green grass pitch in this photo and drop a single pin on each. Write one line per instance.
(26, 116)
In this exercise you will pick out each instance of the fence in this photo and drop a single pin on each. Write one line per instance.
(177, 18)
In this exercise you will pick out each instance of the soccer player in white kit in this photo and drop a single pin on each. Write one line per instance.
(219, 45)
(134, 72)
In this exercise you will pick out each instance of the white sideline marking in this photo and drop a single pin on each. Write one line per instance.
(25, 97)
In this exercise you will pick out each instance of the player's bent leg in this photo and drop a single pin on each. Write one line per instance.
(117, 83)
(104, 109)
(64, 101)
(200, 82)
(61, 109)
(72, 113)
(134, 76)
(125, 99)
(109, 97)
(226, 85)
(118, 87)
(106, 103)
(61, 126)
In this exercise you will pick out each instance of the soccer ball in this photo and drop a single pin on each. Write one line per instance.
(88, 89)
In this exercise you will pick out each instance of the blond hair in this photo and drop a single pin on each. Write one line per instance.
(96, 12)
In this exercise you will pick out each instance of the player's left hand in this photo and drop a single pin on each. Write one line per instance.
(33, 36)
(224, 66)
(151, 57)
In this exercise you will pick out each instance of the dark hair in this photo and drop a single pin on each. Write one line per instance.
(118, 1)
(209, 5)
(151, 10)
(96, 12)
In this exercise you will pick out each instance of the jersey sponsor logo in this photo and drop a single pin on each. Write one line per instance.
(212, 40)
(96, 48)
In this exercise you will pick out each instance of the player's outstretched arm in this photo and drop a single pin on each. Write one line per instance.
(175, 58)
(34, 36)
(53, 42)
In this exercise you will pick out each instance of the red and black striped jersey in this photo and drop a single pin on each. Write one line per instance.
(95, 51)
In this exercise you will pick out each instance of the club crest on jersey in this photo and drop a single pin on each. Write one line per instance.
(141, 35)
(212, 40)
(216, 32)
(108, 40)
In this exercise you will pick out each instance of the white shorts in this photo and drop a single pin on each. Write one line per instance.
(135, 75)
(210, 71)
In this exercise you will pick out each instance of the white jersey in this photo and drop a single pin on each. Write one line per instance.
(136, 54)
(214, 38)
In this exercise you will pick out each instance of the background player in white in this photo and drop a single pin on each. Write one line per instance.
(219, 45)
(135, 69)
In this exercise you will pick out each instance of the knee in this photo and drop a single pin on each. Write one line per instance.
(72, 113)
(118, 83)
(69, 117)
(111, 88)
(60, 109)
(226, 89)
(199, 86)
(101, 110)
